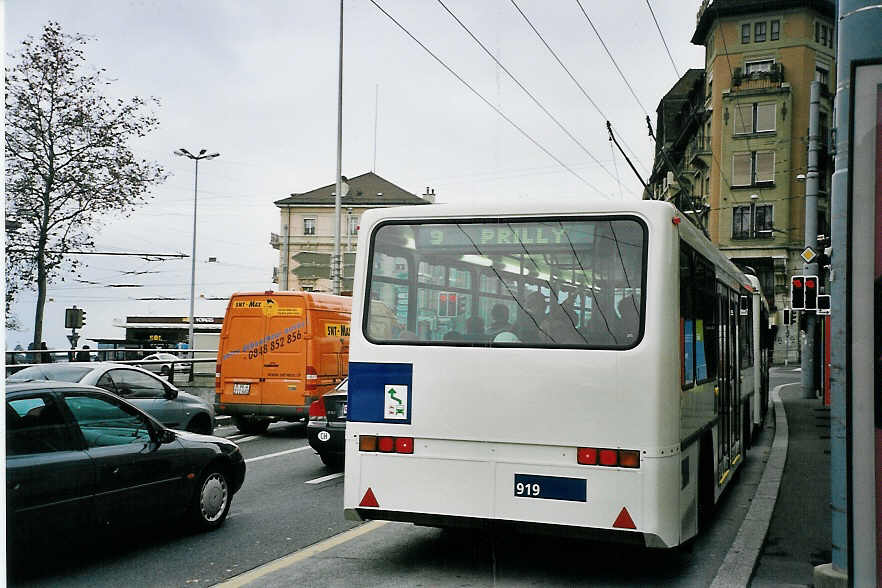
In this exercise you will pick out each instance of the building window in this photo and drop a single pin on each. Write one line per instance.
(759, 32)
(353, 225)
(752, 222)
(822, 75)
(754, 67)
(309, 226)
(754, 167)
(824, 34)
(745, 33)
(754, 118)
(775, 30)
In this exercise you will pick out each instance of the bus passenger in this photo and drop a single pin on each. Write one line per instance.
(499, 316)
(475, 329)
(560, 326)
(629, 324)
(530, 317)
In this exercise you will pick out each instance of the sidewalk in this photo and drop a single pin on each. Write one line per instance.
(799, 536)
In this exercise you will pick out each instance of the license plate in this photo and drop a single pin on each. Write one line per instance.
(342, 409)
(550, 487)
(241, 389)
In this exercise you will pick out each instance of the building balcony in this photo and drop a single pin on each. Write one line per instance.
(699, 151)
(275, 241)
(772, 78)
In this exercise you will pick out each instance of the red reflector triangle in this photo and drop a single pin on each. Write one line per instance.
(371, 500)
(624, 521)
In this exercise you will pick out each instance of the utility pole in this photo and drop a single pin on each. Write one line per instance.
(854, 485)
(338, 193)
(811, 236)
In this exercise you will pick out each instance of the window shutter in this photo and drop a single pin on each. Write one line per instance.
(765, 117)
(741, 169)
(743, 122)
(765, 166)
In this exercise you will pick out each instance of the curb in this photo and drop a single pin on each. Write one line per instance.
(737, 568)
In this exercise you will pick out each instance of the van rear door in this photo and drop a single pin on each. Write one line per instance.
(331, 347)
(284, 362)
(241, 363)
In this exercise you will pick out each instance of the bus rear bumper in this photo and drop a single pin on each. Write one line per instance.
(503, 526)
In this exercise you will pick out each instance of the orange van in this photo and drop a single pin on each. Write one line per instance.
(278, 352)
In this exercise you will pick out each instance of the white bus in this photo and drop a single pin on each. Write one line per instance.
(550, 368)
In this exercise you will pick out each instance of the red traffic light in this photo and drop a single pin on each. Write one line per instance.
(810, 284)
(797, 282)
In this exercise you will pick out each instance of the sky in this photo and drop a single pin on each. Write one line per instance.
(257, 82)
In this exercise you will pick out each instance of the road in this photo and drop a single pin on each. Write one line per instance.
(291, 501)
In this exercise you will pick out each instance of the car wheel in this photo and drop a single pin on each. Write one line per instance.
(211, 502)
(251, 425)
(332, 461)
(201, 424)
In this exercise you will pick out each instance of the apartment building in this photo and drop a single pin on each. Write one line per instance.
(306, 239)
(733, 138)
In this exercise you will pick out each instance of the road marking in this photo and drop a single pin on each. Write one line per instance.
(325, 478)
(298, 556)
(277, 454)
(246, 439)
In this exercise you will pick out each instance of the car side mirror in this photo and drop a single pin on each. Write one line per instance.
(167, 436)
(171, 393)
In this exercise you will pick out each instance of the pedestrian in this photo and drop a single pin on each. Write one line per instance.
(45, 356)
(83, 354)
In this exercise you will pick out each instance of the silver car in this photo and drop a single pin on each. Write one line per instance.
(164, 369)
(160, 399)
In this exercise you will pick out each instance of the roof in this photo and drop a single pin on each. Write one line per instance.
(368, 189)
(714, 9)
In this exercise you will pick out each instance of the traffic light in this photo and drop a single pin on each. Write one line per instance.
(797, 292)
(787, 316)
(74, 318)
(811, 292)
(823, 304)
(447, 304)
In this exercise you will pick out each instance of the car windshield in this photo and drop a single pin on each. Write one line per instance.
(61, 372)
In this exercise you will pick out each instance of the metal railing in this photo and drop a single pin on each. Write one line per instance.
(33, 357)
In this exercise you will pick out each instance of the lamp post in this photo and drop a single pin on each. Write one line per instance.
(196, 158)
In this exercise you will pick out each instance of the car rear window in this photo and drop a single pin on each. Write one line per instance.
(61, 372)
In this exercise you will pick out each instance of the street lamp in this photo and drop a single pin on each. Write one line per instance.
(184, 153)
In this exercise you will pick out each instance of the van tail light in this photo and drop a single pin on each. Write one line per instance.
(217, 379)
(317, 411)
(311, 378)
(620, 458)
(384, 444)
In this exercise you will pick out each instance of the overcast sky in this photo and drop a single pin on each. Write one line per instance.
(257, 82)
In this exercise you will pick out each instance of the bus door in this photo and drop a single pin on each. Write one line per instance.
(735, 411)
(724, 379)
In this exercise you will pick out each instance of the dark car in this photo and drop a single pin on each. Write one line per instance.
(160, 399)
(326, 429)
(79, 457)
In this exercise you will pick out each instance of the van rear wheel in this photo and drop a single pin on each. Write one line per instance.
(251, 425)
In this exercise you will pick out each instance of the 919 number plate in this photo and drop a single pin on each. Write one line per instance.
(550, 487)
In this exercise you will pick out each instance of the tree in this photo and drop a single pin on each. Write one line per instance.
(68, 163)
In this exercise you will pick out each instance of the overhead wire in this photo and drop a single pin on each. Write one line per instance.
(662, 35)
(573, 78)
(526, 91)
(485, 101)
(618, 69)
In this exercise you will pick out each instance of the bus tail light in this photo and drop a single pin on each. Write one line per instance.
(586, 456)
(385, 444)
(404, 445)
(609, 457)
(367, 442)
(622, 458)
(629, 458)
(311, 378)
(317, 411)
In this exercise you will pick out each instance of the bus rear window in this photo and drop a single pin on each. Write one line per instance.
(512, 283)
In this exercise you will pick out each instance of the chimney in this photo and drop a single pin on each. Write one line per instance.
(429, 196)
